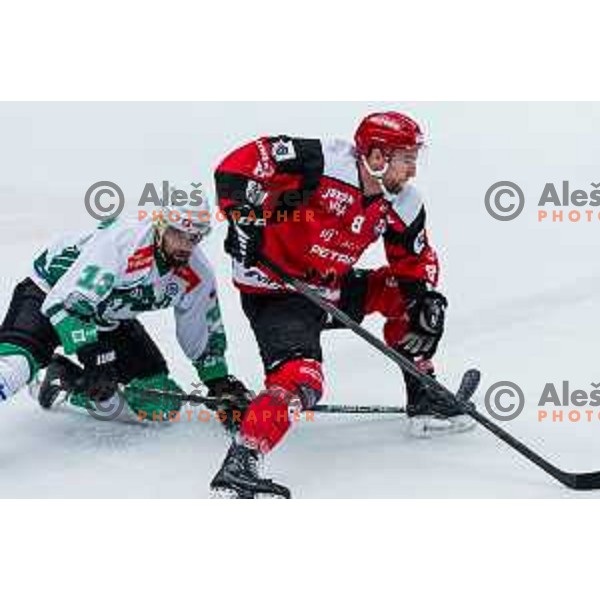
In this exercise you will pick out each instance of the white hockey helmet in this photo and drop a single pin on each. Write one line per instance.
(190, 213)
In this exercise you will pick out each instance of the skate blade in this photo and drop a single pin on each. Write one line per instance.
(463, 423)
(223, 494)
(426, 427)
(262, 496)
(227, 494)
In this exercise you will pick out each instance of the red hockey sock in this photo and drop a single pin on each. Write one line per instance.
(294, 385)
(266, 421)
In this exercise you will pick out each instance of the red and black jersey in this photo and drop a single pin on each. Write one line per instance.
(318, 220)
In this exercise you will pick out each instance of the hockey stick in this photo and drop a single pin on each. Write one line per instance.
(214, 403)
(467, 388)
(573, 480)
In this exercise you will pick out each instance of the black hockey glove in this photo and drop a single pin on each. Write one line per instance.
(426, 313)
(99, 380)
(231, 389)
(233, 397)
(245, 234)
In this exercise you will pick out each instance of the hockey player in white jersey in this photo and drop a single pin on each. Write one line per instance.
(84, 294)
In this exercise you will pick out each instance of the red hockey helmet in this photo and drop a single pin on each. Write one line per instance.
(388, 131)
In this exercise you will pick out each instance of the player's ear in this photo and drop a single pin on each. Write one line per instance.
(376, 159)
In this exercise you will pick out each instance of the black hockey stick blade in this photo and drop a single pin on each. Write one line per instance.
(468, 385)
(575, 481)
(582, 481)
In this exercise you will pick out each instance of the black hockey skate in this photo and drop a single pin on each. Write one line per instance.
(238, 477)
(61, 375)
(430, 413)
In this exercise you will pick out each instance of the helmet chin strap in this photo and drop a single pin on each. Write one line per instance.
(378, 175)
(374, 173)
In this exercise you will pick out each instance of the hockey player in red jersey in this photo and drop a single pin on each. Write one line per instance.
(313, 207)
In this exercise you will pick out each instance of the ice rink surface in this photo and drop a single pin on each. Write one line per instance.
(523, 299)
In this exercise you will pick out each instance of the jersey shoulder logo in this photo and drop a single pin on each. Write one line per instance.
(140, 259)
(191, 278)
(282, 150)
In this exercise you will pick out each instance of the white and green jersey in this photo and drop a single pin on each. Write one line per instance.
(114, 273)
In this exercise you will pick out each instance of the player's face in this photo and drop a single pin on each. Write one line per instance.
(402, 168)
(177, 247)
